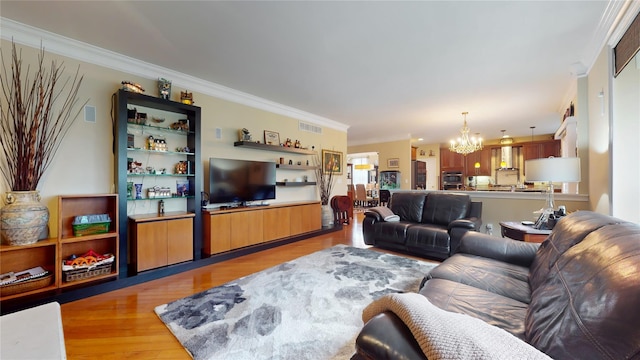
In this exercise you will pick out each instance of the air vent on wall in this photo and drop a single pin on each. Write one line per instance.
(302, 126)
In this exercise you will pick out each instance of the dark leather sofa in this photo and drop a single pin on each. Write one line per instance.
(575, 296)
(431, 223)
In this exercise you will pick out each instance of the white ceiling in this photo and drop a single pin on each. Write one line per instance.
(389, 70)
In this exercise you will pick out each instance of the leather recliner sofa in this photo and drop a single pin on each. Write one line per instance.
(575, 296)
(431, 223)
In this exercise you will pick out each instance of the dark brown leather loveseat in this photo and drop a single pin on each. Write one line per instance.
(430, 223)
(575, 296)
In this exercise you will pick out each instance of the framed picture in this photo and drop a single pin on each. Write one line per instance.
(332, 161)
(393, 163)
(271, 138)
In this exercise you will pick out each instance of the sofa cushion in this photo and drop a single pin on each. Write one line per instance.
(443, 208)
(497, 310)
(393, 232)
(565, 235)
(408, 206)
(491, 275)
(587, 305)
(424, 236)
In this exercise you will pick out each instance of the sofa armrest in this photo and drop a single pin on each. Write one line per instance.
(373, 216)
(385, 336)
(463, 223)
(503, 249)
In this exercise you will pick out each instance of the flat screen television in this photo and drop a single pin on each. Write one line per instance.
(241, 181)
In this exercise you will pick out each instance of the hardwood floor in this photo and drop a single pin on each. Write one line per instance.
(122, 325)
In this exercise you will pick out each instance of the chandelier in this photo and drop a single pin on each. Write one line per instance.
(465, 145)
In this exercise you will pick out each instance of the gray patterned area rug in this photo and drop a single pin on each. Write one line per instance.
(308, 308)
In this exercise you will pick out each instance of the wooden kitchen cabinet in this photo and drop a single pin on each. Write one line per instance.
(484, 158)
(451, 161)
(540, 149)
(160, 240)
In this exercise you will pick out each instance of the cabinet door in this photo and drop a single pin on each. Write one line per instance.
(276, 223)
(151, 243)
(451, 161)
(179, 240)
(550, 148)
(217, 234)
(305, 218)
(246, 228)
(484, 158)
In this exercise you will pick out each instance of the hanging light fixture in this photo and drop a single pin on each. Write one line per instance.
(465, 145)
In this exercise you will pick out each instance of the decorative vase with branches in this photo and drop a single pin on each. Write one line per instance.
(325, 179)
(37, 110)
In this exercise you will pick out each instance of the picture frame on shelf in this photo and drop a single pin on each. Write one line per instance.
(393, 163)
(271, 138)
(332, 161)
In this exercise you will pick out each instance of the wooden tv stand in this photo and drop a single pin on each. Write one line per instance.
(235, 228)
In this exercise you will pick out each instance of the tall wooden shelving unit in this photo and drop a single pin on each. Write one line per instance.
(125, 100)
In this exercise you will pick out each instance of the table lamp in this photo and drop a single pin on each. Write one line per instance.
(552, 169)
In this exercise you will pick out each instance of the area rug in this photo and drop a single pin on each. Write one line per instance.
(308, 308)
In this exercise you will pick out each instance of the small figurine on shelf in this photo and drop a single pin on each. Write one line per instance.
(287, 143)
(186, 97)
(244, 134)
(182, 125)
(133, 87)
(151, 142)
(297, 144)
(164, 88)
(181, 167)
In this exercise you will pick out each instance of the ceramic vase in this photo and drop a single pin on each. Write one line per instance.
(327, 216)
(23, 219)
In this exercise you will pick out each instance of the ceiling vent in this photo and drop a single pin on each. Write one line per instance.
(302, 126)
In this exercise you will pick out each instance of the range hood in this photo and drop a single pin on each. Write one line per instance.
(506, 151)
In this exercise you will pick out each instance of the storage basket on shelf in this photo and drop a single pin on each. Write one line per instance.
(87, 266)
(91, 224)
(26, 280)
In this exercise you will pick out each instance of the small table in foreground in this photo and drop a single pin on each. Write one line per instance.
(517, 231)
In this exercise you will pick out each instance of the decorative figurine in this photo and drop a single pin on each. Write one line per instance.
(287, 143)
(297, 144)
(164, 88)
(244, 134)
(133, 87)
(186, 97)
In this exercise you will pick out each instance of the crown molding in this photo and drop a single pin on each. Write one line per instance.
(602, 34)
(34, 37)
(627, 15)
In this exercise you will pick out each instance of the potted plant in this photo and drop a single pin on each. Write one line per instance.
(36, 113)
(324, 181)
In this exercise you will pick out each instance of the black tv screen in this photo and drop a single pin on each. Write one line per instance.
(232, 180)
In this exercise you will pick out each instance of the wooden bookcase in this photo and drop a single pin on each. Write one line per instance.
(70, 206)
(127, 150)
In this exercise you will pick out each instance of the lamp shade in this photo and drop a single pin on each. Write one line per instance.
(564, 169)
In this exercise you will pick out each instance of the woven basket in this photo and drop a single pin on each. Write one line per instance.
(86, 273)
(24, 286)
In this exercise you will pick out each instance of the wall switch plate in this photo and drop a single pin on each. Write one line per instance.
(218, 133)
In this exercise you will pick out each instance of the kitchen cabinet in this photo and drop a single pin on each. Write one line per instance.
(160, 240)
(451, 161)
(540, 149)
(481, 156)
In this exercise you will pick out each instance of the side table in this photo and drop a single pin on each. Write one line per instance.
(517, 231)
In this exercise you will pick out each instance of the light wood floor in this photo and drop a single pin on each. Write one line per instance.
(122, 325)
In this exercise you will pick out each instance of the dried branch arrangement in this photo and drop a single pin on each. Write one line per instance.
(31, 125)
(324, 180)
